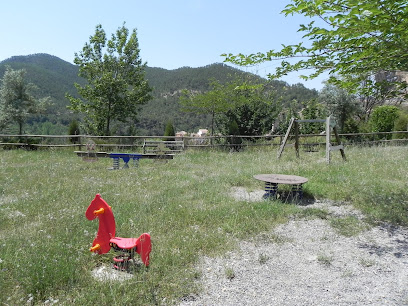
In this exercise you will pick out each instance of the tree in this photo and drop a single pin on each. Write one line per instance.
(234, 140)
(379, 89)
(352, 40)
(339, 103)
(383, 118)
(245, 101)
(256, 111)
(213, 102)
(116, 84)
(169, 131)
(17, 102)
(313, 110)
(401, 124)
(73, 129)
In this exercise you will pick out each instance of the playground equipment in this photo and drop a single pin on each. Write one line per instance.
(330, 124)
(106, 237)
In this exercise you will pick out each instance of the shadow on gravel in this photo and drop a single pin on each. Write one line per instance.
(398, 235)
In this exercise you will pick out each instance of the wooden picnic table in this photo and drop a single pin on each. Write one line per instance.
(273, 180)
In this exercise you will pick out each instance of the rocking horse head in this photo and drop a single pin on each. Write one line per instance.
(100, 209)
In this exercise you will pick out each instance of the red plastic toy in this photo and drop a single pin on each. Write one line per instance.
(106, 239)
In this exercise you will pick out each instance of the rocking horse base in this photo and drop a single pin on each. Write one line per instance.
(122, 262)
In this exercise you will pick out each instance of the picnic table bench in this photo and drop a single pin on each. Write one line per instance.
(163, 147)
(124, 156)
(273, 180)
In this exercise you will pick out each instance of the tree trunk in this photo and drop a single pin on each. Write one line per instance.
(108, 119)
(212, 128)
(107, 126)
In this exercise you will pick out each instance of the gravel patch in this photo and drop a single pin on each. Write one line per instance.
(105, 273)
(241, 194)
(307, 263)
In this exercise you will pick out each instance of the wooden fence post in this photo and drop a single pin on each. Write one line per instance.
(297, 138)
(328, 140)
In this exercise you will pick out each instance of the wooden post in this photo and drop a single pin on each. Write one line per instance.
(297, 138)
(329, 147)
(339, 143)
(328, 140)
(282, 147)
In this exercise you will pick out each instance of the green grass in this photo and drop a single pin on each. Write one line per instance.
(348, 226)
(325, 259)
(184, 204)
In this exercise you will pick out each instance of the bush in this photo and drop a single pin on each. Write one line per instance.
(169, 131)
(351, 126)
(401, 124)
(234, 141)
(383, 118)
(73, 129)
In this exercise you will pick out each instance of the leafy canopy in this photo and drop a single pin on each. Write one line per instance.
(256, 113)
(245, 101)
(350, 39)
(219, 99)
(383, 118)
(115, 75)
(339, 103)
(169, 131)
(17, 102)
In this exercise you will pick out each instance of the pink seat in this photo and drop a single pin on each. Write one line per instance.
(141, 245)
(124, 243)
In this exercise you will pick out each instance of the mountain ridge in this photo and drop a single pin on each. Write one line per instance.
(55, 77)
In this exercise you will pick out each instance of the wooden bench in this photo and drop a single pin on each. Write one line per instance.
(162, 147)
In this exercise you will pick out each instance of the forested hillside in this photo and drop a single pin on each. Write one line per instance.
(55, 77)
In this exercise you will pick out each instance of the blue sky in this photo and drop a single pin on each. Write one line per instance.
(171, 34)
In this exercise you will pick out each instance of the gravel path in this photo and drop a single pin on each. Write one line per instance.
(305, 262)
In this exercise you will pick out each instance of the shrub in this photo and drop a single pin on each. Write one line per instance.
(73, 129)
(234, 141)
(383, 118)
(401, 124)
(169, 131)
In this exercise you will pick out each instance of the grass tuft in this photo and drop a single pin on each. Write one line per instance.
(349, 226)
(325, 259)
(229, 273)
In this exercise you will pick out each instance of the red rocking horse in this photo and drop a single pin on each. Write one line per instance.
(106, 239)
